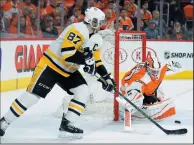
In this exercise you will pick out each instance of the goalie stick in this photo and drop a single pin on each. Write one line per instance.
(168, 132)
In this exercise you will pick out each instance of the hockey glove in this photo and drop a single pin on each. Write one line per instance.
(174, 66)
(90, 65)
(109, 84)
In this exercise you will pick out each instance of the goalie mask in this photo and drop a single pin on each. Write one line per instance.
(153, 67)
(95, 17)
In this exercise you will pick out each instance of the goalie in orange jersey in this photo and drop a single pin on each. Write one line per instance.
(141, 85)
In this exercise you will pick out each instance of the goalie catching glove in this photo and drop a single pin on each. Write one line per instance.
(108, 83)
(90, 65)
(174, 66)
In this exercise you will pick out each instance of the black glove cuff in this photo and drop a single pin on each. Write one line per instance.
(101, 70)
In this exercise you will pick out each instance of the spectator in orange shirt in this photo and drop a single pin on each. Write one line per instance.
(105, 4)
(131, 7)
(125, 22)
(2, 3)
(147, 15)
(111, 4)
(51, 7)
(29, 4)
(76, 14)
(81, 4)
(69, 3)
(97, 3)
(43, 5)
(188, 11)
(10, 8)
(25, 30)
(109, 20)
(26, 13)
(142, 22)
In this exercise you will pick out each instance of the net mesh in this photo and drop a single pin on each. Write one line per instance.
(101, 102)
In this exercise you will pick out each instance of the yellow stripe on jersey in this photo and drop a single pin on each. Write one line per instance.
(99, 64)
(76, 107)
(45, 61)
(71, 68)
(17, 108)
(97, 58)
(35, 76)
(97, 55)
(72, 40)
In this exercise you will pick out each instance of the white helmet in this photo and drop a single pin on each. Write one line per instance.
(94, 16)
(97, 41)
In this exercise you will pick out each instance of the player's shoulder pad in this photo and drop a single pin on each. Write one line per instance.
(82, 28)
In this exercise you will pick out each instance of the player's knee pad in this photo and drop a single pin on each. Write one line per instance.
(81, 93)
(27, 99)
(78, 103)
(80, 98)
(158, 111)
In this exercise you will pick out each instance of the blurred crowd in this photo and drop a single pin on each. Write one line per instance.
(25, 19)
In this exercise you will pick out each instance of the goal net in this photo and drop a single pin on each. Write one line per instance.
(120, 52)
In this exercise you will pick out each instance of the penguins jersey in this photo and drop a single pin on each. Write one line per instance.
(138, 79)
(64, 55)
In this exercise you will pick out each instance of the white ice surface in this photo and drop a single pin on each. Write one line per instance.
(37, 125)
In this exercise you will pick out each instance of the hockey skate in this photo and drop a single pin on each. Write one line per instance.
(3, 126)
(67, 130)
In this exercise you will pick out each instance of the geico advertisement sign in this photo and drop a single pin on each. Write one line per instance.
(28, 56)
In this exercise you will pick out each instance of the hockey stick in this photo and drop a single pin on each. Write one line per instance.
(168, 132)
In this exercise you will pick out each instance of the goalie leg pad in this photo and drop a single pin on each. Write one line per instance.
(157, 111)
(135, 97)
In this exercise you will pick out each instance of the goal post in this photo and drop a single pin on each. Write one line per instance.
(130, 37)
